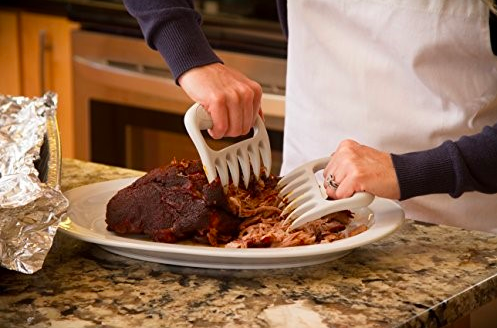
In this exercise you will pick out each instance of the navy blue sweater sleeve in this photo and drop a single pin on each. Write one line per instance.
(173, 27)
(468, 164)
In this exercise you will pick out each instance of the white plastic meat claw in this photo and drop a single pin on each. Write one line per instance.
(228, 160)
(306, 198)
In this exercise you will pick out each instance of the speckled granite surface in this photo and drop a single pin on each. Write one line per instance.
(421, 276)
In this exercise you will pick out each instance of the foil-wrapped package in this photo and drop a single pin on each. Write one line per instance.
(30, 199)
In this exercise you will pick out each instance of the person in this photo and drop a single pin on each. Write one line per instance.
(416, 79)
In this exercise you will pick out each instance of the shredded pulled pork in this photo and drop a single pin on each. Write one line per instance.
(263, 224)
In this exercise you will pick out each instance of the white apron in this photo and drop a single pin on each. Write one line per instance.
(397, 75)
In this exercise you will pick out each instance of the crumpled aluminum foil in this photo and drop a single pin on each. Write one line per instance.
(29, 208)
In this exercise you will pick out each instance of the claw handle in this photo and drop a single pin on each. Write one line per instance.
(197, 119)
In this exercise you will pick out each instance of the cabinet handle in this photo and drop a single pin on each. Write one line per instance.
(44, 46)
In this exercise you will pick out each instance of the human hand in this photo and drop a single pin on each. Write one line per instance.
(232, 99)
(356, 167)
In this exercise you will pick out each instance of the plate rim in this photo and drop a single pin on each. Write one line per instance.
(383, 227)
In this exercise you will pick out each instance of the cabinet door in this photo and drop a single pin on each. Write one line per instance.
(10, 64)
(46, 65)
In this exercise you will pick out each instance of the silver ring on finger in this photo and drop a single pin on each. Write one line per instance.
(330, 182)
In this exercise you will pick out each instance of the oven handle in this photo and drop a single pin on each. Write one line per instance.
(104, 74)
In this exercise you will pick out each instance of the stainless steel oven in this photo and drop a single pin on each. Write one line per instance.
(129, 111)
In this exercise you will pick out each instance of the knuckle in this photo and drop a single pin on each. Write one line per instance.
(257, 89)
(350, 164)
(354, 173)
(248, 95)
(347, 144)
(218, 98)
(245, 92)
(234, 96)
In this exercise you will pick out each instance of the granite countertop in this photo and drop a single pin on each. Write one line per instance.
(420, 276)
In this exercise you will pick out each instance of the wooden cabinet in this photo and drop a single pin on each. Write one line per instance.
(10, 64)
(36, 57)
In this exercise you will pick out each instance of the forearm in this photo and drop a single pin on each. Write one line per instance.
(173, 28)
(468, 164)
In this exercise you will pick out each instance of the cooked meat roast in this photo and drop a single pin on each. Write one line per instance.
(175, 202)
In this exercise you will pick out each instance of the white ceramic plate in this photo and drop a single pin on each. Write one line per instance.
(85, 220)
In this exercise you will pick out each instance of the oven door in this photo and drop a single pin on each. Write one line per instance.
(129, 111)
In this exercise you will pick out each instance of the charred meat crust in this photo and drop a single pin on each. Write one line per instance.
(173, 203)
